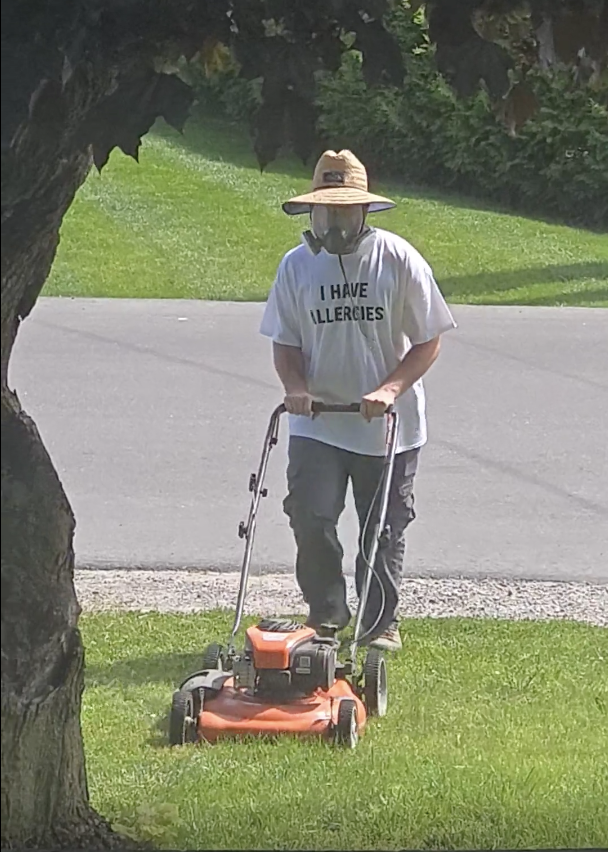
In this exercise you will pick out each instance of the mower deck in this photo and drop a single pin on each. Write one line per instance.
(233, 713)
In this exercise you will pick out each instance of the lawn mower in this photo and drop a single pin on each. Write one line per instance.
(288, 679)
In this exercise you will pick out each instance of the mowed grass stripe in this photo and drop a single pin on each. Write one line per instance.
(200, 221)
(435, 227)
(190, 226)
(114, 257)
(496, 737)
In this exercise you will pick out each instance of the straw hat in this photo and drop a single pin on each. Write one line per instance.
(339, 178)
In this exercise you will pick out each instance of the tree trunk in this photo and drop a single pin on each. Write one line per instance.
(44, 787)
(78, 79)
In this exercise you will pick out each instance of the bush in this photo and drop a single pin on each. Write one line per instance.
(422, 134)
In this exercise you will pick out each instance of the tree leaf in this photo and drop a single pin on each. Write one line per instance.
(450, 24)
(301, 66)
(382, 59)
(125, 116)
(301, 124)
(375, 9)
(250, 59)
(465, 66)
(268, 122)
(329, 47)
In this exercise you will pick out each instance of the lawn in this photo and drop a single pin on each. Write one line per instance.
(496, 737)
(196, 219)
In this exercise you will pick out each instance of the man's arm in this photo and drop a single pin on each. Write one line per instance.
(425, 318)
(412, 367)
(281, 324)
(289, 364)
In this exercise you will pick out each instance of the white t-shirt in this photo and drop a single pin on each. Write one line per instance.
(354, 329)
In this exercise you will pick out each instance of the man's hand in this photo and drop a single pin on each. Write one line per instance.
(377, 403)
(299, 402)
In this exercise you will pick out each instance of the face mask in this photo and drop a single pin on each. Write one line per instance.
(336, 228)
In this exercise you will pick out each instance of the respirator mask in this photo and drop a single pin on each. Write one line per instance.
(339, 229)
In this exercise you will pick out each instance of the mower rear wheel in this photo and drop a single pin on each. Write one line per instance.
(346, 731)
(375, 685)
(182, 722)
(212, 657)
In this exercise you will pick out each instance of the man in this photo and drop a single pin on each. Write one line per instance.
(354, 315)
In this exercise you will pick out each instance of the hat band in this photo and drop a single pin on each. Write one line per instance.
(339, 186)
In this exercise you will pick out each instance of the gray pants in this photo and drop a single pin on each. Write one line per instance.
(317, 481)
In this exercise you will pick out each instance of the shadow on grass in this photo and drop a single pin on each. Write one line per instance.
(220, 139)
(138, 671)
(223, 141)
(512, 279)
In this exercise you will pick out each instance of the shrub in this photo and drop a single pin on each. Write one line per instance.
(422, 134)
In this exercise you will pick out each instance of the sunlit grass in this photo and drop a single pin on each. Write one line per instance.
(496, 738)
(196, 219)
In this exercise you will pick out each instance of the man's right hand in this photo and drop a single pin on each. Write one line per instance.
(299, 403)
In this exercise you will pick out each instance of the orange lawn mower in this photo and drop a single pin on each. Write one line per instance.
(287, 679)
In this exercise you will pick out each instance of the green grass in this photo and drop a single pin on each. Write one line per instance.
(196, 219)
(496, 737)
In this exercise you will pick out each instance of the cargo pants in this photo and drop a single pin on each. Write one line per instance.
(317, 480)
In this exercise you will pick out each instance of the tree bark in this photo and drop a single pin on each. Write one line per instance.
(78, 79)
(44, 787)
(44, 795)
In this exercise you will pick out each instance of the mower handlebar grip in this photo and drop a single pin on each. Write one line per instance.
(325, 408)
(338, 408)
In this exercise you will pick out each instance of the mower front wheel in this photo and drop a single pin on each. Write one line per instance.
(182, 721)
(346, 731)
(375, 685)
(213, 657)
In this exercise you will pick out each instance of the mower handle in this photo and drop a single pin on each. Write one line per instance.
(338, 408)
(326, 408)
(256, 485)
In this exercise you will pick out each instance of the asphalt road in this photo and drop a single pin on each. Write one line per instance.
(154, 413)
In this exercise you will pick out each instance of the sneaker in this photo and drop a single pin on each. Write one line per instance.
(390, 640)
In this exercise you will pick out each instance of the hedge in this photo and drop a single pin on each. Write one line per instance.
(420, 134)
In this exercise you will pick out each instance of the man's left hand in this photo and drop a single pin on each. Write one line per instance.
(377, 403)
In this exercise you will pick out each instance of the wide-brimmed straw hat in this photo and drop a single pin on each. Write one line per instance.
(339, 178)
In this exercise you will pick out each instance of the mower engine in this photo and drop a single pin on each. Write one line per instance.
(285, 660)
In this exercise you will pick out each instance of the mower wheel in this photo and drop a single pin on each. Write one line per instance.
(182, 722)
(375, 686)
(346, 731)
(212, 657)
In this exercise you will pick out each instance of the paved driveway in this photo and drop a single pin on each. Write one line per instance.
(154, 413)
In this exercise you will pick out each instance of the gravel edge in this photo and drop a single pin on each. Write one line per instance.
(183, 591)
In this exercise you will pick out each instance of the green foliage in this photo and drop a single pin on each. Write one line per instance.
(234, 97)
(557, 164)
(422, 134)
